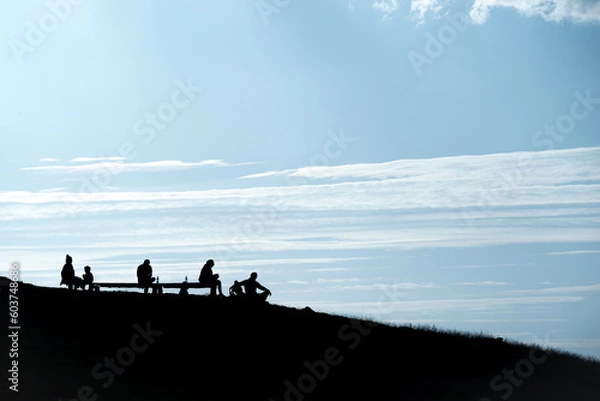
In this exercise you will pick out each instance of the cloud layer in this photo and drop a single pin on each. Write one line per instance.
(116, 165)
(578, 11)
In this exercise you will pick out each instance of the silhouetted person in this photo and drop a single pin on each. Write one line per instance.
(144, 275)
(184, 287)
(88, 278)
(251, 285)
(236, 290)
(208, 279)
(67, 273)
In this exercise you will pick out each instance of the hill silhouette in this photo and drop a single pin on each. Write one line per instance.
(130, 346)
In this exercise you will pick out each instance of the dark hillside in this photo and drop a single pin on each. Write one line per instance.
(130, 346)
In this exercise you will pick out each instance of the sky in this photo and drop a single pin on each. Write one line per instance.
(424, 162)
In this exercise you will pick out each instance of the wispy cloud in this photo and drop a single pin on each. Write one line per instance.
(441, 305)
(329, 269)
(486, 265)
(580, 252)
(553, 197)
(48, 160)
(321, 280)
(97, 159)
(387, 7)
(588, 343)
(528, 168)
(384, 286)
(578, 11)
(528, 320)
(115, 165)
(297, 282)
(56, 189)
(482, 283)
(419, 8)
(558, 290)
(292, 261)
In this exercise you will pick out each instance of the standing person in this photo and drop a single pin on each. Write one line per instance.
(67, 273)
(144, 275)
(250, 285)
(208, 279)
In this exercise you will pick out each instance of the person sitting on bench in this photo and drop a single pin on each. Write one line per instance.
(208, 279)
(144, 275)
(250, 285)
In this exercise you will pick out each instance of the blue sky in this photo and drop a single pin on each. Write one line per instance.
(425, 161)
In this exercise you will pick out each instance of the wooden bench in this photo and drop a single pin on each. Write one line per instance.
(157, 288)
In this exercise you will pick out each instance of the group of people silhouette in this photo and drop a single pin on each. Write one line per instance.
(73, 282)
(247, 288)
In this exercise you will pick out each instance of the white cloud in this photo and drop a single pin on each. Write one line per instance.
(535, 197)
(97, 159)
(567, 290)
(292, 261)
(384, 287)
(579, 11)
(580, 252)
(387, 7)
(528, 320)
(559, 290)
(588, 343)
(56, 189)
(115, 165)
(484, 283)
(321, 280)
(511, 168)
(486, 265)
(329, 269)
(48, 160)
(419, 8)
(382, 308)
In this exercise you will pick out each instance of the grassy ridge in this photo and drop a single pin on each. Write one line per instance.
(127, 346)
